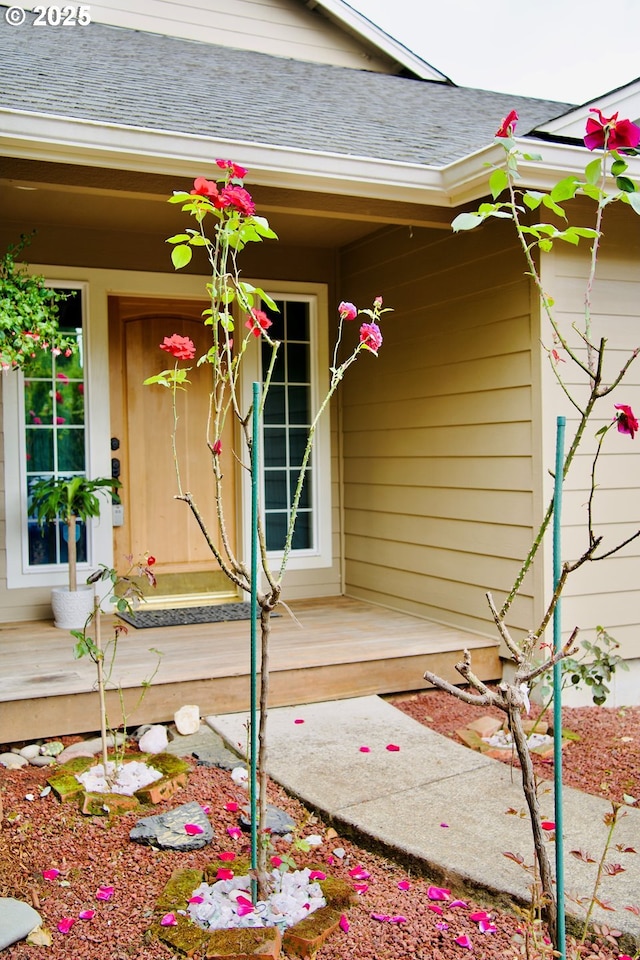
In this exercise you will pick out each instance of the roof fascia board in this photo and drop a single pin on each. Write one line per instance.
(624, 101)
(359, 25)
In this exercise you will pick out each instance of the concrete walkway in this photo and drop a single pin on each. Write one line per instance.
(434, 800)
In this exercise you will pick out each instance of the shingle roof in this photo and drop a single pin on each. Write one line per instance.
(119, 76)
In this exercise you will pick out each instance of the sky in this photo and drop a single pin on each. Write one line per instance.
(561, 50)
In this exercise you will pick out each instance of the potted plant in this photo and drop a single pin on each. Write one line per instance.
(68, 500)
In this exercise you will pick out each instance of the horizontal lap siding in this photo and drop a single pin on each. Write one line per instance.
(605, 593)
(437, 432)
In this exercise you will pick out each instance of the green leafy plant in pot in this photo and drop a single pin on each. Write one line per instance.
(69, 500)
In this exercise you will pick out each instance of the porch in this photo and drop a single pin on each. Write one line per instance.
(340, 647)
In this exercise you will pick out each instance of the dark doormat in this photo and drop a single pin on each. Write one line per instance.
(181, 616)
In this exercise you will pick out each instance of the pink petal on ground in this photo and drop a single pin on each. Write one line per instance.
(104, 893)
(196, 900)
(459, 903)
(234, 832)
(438, 893)
(275, 861)
(404, 885)
(65, 924)
(382, 917)
(548, 825)
(464, 942)
(365, 749)
(331, 859)
(205, 808)
(50, 874)
(87, 914)
(442, 925)
(398, 919)
(479, 915)
(435, 908)
(317, 875)
(393, 747)
(360, 887)
(193, 829)
(232, 806)
(485, 926)
(359, 873)
(226, 855)
(224, 874)
(243, 906)
(298, 720)
(445, 825)
(344, 924)
(169, 920)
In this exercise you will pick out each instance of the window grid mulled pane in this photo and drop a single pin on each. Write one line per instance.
(54, 424)
(287, 418)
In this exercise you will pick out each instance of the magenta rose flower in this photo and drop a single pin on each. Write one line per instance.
(610, 132)
(626, 419)
(370, 337)
(257, 322)
(234, 196)
(236, 171)
(182, 348)
(508, 125)
(347, 311)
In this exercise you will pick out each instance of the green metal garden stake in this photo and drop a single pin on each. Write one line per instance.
(253, 723)
(557, 690)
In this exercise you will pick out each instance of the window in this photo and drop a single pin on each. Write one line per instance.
(54, 432)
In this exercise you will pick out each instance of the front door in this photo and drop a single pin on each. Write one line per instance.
(152, 521)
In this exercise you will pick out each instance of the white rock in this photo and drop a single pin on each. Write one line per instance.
(17, 920)
(88, 748)
(187, 719)
(12, 761)
(30, 751)
(155, 740)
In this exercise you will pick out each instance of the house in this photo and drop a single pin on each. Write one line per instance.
(432, 473)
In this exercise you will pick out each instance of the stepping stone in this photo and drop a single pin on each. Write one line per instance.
(17, 920)
(277, 821)
(168, 830)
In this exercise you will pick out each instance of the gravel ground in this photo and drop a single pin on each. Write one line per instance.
(40, 834)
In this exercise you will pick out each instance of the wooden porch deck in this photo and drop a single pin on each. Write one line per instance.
(340, 648)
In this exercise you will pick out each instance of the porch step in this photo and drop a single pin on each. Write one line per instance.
(337, 648)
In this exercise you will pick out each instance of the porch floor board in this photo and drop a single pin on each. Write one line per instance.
(340, 647)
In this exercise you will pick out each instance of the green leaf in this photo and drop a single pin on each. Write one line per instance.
(178, 238)
(593, 171)
(565, 190)
(546, 245)
(569, 236)
(532, 199)
(498, 181)
(532, 157)
(595, 193)
(551, 205)
(179, 196)
(618, 167)
(197, 240)
(181, 256)
(466, 221)
(626, 184)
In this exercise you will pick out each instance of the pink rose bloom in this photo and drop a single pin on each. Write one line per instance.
(626, 419)
(347, 310)
(610, 132)
(508, 125)
(370, 337)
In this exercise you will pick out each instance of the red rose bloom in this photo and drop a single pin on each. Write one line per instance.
(347, 311)
(182, 348)
(370, 337)
(626, 420)
(236, 171)
(610, 133)
(257, 322)
(235, 196)
(205, 188)
(508, 125)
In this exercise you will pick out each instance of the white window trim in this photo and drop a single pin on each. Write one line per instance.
(99, 530)
(321, 555)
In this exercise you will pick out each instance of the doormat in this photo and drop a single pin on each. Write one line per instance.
(182, 616)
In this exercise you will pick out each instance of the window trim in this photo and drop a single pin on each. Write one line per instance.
(320, 556)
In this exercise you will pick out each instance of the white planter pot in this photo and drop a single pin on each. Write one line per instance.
(71, 609)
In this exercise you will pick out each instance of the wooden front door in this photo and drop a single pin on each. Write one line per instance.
(141, 429)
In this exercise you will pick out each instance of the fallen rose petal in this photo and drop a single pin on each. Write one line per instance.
(243, 906)
(365, 749)
(331, 860)
(226, 855)
(196, 899)
(104, 893)
(224, 874)
(464, 942)
(234, 832)
(317, 875)
(50, 874)
(169, 920)
(205, 808)
(442, 925)
(298, 720)
(485, 926)
(404, 885)
(87, 914)
(343, 923)
(438, 893)
(360, 887)
(275, 861)
(65, 924)
(393, 747)
(459, 903)
(435, 908)
(359, 873)
(479, 915)
(232, 806)
(382, 917)
(398, 919)
(548, 825)
(445, 825)
(193, 829)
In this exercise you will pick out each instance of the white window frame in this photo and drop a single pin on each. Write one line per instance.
(319, 556)
(20, 573)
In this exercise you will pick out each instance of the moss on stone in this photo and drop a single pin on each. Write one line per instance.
(179, 889)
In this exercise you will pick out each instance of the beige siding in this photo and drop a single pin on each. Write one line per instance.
(438, 440)
(606, 593)
(283, 28)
